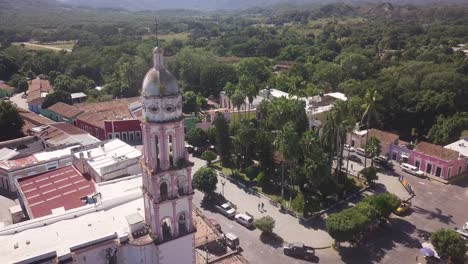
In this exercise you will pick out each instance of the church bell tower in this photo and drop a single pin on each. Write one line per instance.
(167, 176)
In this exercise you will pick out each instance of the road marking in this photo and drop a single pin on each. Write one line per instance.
(422, 183)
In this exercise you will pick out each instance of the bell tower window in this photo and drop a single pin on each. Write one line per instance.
(156, 150)
(171, 150)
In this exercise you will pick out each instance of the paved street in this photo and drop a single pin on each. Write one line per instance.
(20, 102)
(287, 227)
(435, 206)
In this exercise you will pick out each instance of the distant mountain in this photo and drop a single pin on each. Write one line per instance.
(209, 5)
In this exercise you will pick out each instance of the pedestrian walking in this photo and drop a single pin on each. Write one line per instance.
(352, 167)
(258, 206)
(262, 205)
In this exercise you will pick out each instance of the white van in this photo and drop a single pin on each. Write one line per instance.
(411, 169)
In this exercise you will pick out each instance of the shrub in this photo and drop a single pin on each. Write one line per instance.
(205, 180)
(209, 156)
(298, 203)
(252, 171)
(384, 204)
(448, 243)
(265, 224)
(261, 179)
(370, 174)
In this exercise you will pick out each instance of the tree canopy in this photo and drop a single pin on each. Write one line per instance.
(205, 180)
(10, 122)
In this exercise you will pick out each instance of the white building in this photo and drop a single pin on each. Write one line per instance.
(33, 164)
(137, 219)
(107, 160)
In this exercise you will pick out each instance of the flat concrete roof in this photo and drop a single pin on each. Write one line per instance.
(461, 146)
(113, 152)
(54, 189)
(77, 227)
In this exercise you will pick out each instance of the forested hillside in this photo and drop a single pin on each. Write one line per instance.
(403, 51)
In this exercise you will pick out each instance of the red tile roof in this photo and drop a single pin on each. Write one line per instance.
(36, 88)
(97, 118)
(32, 120)
(436, 151)
(65, 110)
(386, 138)
(54, 189)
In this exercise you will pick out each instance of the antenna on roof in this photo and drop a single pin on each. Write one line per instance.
(156, 31)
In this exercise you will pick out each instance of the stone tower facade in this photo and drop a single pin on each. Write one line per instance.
(167, 176)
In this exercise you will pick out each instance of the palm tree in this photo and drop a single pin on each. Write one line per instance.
(238, 98)
(247, 85)
(288, 144)
(229, 89)
(371, 114)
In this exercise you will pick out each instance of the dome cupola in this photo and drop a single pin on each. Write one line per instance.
(160, 94)
(158, 80)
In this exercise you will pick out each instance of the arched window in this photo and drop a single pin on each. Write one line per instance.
(156, 143)
(166, 229)
(180, 186)
(171, 150)
(163, 191)
(182, 224)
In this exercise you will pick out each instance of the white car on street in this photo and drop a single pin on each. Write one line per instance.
(227, 210)
(348, 148)
(411, 169)
(244, 220)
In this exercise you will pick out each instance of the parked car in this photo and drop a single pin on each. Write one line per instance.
(402, 208)
(226, 209)
(361, 151)
(231, 240)
(4, 99)
(24, 96)
(383, 162)
(348, 148)
(244, 220)
(411, 169)
(298, 249)
(355, 158)
(215, 224)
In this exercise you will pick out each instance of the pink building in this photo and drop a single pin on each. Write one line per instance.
(358, 139)
(434, 160)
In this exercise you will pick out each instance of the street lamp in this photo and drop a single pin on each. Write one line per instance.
(206, 248)
(222, 184)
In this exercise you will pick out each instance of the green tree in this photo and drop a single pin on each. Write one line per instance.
(373, 149)
(63, 82)
(55, 97)
(10, 122)
(370, 174)
(283, 110)
(287, 143)
(258, 69)
(448, 129)
(371, 113)
(449, 244)
(205, 180)
(190, 103)
(252, 171)
(315, 159)
(215, 76)
(223, 140)
(266, 224)
(208, 156)
(197, 137)
(264, 150)
(238, 99)
(262, 179)
(346, 225)
(384, 204)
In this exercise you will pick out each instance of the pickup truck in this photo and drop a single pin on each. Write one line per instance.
(298, 250)
(226, 209)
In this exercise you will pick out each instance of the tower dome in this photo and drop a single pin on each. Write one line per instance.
(160, 94)
(158, 80)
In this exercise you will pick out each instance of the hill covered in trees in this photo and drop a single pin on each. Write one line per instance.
(405, 52)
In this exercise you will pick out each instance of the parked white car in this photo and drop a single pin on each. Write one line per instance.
(226, 210)
(244, 220)
(411, 169)
(348, 148)
(360, 151)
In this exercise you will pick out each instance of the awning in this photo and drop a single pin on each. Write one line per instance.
(404, 156)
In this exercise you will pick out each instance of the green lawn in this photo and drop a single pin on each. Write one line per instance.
(235, 117)
(50, 47)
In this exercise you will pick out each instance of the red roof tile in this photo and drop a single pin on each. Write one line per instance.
(65, 110)
(36, 88)
(436, 151)
(386, 138)
(54, 189)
